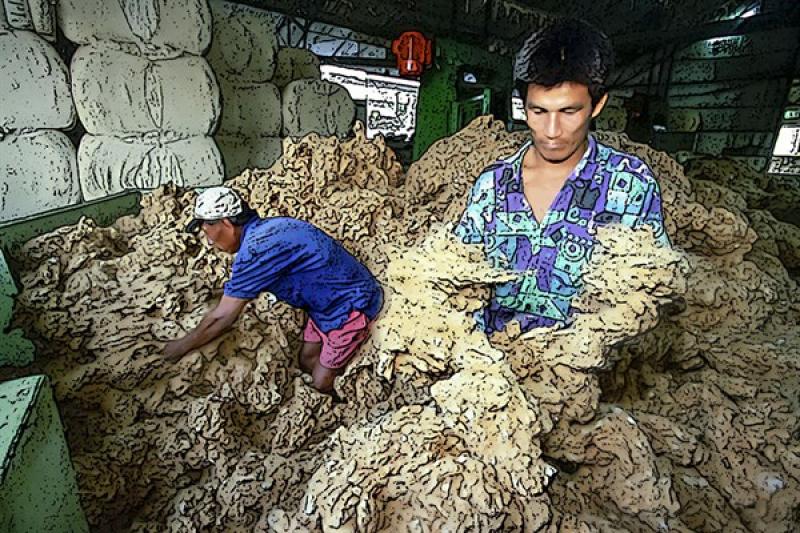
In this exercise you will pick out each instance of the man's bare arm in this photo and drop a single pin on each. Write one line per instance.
(214, 324)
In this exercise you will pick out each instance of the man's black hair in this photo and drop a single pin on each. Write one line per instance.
(565, 50)
(244, 217)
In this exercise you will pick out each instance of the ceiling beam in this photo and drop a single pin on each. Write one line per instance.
(639, 42)
(509, 21)
(476, 21)
(381, 19)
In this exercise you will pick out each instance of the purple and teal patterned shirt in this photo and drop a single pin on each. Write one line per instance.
(607, 186)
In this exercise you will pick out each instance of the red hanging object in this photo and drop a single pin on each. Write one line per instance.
(413, 52)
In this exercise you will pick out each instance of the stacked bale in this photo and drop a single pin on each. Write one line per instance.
(268, 93)
(318, 107)
(146, 96)
(244, 56)
(38, 170)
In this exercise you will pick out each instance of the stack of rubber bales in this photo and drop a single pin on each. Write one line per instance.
(38, 170)
(147, 98)
(268, 93)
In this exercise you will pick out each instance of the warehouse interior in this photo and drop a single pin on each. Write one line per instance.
(671, 403)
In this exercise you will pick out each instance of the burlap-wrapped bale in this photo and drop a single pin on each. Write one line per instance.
(295, 64)
(108, 165)
(245, 45)
(317, 106)
(122, 94)
(161, 28)
(37, 16)
(38, 172)
(250, 109)
(239, 153)
(34, 83)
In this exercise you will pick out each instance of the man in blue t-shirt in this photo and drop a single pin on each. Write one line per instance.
(298, 263)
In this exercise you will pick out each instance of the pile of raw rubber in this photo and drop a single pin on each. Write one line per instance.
(766, 202)
(668, 403)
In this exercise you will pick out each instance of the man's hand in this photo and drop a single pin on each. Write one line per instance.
(214, 324)
(174, 350)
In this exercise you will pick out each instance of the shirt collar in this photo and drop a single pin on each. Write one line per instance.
(589, 156)
(247, 226)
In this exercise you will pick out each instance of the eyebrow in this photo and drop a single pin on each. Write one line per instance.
(576, 107)
(533, 105)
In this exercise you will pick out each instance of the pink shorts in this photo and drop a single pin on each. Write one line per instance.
(339, 345)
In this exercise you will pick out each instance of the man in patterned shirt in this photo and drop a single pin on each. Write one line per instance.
(536, 211)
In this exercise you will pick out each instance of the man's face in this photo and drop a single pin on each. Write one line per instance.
(222, 234)
(559, 118)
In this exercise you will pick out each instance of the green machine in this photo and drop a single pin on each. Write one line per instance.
(38, 490)
(15, 349)
(464, 82)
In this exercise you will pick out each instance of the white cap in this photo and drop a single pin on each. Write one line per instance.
(215, 203)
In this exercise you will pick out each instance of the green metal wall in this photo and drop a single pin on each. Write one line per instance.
(438, 90)
(104, 212)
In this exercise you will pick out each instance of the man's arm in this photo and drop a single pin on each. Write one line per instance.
(216, 322)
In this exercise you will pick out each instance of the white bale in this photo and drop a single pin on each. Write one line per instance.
(239, 153)
(121, 94)
(317, 106)
(161, 28)
(32, 15)
(34, 83)
(109, 90)
(250, 109)
(43, 17)
(84, 21)
(295, 64)
(245, 45)
(190, 95)
(38, 173)
(108, 165)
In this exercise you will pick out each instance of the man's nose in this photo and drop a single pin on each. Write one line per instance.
(553, 126)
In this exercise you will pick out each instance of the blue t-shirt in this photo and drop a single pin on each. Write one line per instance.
(303, 266)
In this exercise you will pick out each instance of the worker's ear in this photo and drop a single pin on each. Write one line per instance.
(599, 106)
(227, 223)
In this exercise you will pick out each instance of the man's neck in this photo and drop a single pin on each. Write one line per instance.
(533, 161)
(239, 232)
